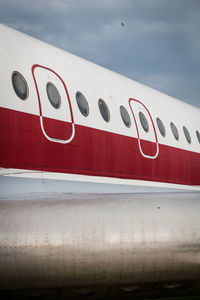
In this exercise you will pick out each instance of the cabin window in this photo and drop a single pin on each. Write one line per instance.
(125, 116)
(53, 95)
(187, 135)
(20, 85)
(198, 136)
(161, 127)
(82, 104)
(103, 108)
(144, 122)
(174, 131)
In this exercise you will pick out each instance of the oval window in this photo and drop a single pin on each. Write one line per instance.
(174, 131)
(187, 134)
(161, 127)
(53, 95)
(125, 116)
(20, 85)
(104, 110)
(198, 136)
(82, 104)
(143, 121)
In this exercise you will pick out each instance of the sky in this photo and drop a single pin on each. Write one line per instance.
(159, 44)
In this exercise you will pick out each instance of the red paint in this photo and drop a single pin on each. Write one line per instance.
(91, 152)
(57, 129)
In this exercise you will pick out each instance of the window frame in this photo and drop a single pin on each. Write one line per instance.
(198, 136)
(175, 131)
(123, 110)
(105, 106)
(17, 92)
(78, 100)
(142, 118)
(161, 126)
(49, 83)
(187, 135)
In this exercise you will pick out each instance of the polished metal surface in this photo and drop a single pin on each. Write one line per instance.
(128, 240)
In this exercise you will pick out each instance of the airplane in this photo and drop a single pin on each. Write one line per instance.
(99, 178)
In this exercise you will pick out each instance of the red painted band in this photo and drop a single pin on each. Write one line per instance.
(91, 152)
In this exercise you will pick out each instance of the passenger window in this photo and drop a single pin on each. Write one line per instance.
(53, 95)
(174, 131)
(20, 85)
(187, 135)
(104, 110)
(143, 121)
(161, 127)
(198, 135)
(82, 104)
(125, 116)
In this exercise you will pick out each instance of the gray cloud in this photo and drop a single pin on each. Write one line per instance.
(158, 46)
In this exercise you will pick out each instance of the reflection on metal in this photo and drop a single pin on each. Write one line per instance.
(130, 288)
(172, 286)
(97, 240)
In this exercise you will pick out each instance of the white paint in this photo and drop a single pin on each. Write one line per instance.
(20, 173)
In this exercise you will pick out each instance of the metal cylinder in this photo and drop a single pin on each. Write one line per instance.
(78, 240)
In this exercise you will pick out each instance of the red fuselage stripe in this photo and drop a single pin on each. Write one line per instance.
(91, 152)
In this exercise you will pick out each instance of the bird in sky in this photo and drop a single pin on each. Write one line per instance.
(122, 24)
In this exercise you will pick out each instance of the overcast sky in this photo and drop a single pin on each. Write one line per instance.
(159, 44)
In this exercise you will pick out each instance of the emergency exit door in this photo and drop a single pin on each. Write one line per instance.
(146, 133)
(56, 115)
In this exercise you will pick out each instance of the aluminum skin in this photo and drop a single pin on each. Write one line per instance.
(60, 240)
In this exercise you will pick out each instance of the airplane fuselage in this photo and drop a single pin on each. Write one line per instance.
(99, 176)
